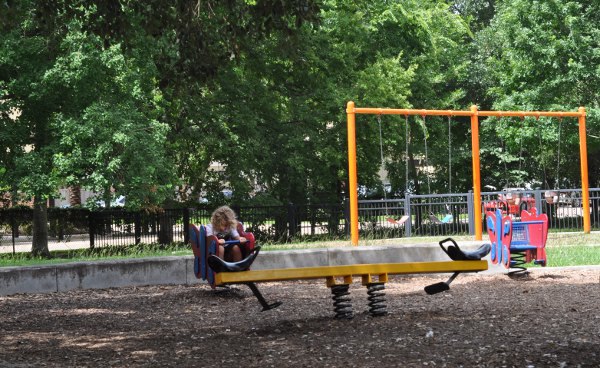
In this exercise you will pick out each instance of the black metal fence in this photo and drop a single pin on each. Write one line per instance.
(414, 215)
(119, 227)
(453, 214)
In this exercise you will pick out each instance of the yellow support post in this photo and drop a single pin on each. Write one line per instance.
(585, 195)
(368, 278)
(332, 280)
(476, 172)
(352, 176)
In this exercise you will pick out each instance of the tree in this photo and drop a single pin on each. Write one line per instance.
(200, 83)
(400, 54)
(87, 116)
(110, 91)
(542, 56)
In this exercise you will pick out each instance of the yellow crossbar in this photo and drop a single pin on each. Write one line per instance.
(286, 274)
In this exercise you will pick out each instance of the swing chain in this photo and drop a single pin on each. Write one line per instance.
(558, 155)
(426, 156)
(382, 159)
(449, 154)
(406, 138)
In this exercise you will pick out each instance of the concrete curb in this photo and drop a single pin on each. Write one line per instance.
(179, 270)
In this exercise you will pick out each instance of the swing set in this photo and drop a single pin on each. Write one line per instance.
(514, 201)
(474, 115)
(432, 218)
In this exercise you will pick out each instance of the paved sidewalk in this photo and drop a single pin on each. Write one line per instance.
(23, 243)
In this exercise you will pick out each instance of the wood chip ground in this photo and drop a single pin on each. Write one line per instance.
(550, 319)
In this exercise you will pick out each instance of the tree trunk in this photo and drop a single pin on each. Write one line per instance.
(107, 198)
(39, 246)
(75, 196)
(165, 228)
(14, 202)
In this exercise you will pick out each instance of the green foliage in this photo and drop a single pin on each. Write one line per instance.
(542, 55)
(140, 98)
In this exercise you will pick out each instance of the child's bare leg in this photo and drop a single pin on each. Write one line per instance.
(221, 252)
(236, 253)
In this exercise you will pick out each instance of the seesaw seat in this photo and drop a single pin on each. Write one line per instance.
(456, 254)
(219, 265)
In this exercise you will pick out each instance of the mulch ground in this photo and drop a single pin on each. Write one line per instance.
(550, 319)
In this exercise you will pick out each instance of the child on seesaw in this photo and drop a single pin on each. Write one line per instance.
(223, 225)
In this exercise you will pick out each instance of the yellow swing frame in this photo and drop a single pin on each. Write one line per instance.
(474, 114)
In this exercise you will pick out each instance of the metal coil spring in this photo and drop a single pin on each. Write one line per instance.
(517, 260)
(342, 305)
(376, 299)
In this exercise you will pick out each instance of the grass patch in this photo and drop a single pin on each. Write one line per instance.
(96, 254)
(576, 255)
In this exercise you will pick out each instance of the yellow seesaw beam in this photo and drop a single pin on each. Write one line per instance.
(348, 271)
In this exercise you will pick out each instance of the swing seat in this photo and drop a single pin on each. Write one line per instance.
(400, 221)
(447, 219)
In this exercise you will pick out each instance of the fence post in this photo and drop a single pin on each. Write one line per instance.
(15, 230)
(14, 224)
(186, 225)
(92, 228)
(471, 212)
(61, 226)
(538, 201)
(292, 226)
(137, 224)
(165, 225)
(408, 212)
(237, 209)
(346, 206)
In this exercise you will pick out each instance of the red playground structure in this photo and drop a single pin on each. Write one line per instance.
(517, 243)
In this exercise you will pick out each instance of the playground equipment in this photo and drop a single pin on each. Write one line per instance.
(445, 220)
(432, 218)
(448, 217)
(553, 196)
(203, 247)
(338, 278)
(516, 243)
(399, 221)
(474, 114)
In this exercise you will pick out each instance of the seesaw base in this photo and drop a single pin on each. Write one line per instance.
(339, 278)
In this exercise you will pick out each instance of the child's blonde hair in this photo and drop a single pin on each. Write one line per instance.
(223, 215)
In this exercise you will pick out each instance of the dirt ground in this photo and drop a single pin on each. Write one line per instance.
(551, 319)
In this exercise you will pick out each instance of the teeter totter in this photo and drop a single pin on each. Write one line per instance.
(218, 272)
